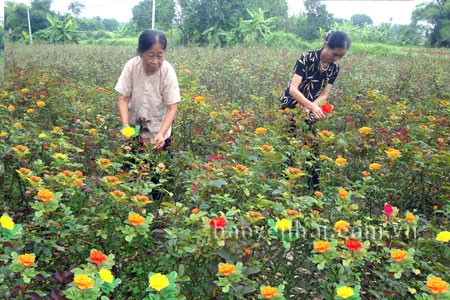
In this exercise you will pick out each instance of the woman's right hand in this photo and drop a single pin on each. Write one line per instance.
(317, 111)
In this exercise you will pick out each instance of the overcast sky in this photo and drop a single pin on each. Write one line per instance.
(379, 11)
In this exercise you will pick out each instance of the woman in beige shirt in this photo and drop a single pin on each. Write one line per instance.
(148, 91)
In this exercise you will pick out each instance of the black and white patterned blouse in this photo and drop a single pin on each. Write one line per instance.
(313, 81)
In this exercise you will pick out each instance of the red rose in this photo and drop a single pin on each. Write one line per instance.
(97, 257)
(353, 244)
(388, 209)
(218, 222)
(327, 108)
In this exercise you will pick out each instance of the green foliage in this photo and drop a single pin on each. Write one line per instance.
(361, 20)
(58, 106)
(60, 31)
(436, 14)
(75, 8)
(164, 14)
(317, 17)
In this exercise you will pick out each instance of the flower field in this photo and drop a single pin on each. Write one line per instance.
(228, 212)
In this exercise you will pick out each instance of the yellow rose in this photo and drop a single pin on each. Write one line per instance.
(128, 131)
(7, 222)
(374, 166)
(443, 236)
(341, 161)
(158, 281)
(341, 225)
(393, 153)
(283, 225)
(260, 130)
(345, 292)
(106, 275)
(365, 130)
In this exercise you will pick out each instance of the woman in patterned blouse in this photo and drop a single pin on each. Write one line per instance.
(314, 75)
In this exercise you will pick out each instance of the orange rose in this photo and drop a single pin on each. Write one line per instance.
(343, 193)
(254, 214)
(399, 255)
(321, 246)
(292, 212)
(226, 269)
(142, 198)
(295, 171)
(195, 211)
(82, 281)
(436, 285)
(136, 219)
(97, 257)
(241, 167)
(46, 195)
(26, 259)
(266, 148)
(24, 170)
(268, 292)
(318, 194)
(410, 217)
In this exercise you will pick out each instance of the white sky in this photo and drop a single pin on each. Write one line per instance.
(378, 11)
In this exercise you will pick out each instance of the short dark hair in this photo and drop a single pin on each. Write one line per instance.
(150, 37)
(337, 39)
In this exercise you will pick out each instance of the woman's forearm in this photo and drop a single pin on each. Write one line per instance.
(123, 109)
(171, 111)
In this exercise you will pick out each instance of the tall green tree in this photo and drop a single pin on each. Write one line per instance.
(203, 21)
(361, 20)
(16, 20)
(317, 18)
(437, 15)
(75, 8)
(165, 14)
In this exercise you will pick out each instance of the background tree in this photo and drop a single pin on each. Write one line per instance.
(75, 8)
(165, 14)
(220, 20)
(273, 8)
(437, 15)
(317, 18)
(361, 20)
(201, 19)
(61, 30)
(16, 20)
(110, 24)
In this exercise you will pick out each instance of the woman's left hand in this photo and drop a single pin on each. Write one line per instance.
(159, 141)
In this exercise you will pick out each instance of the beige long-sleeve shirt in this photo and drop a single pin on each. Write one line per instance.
(149, 95)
